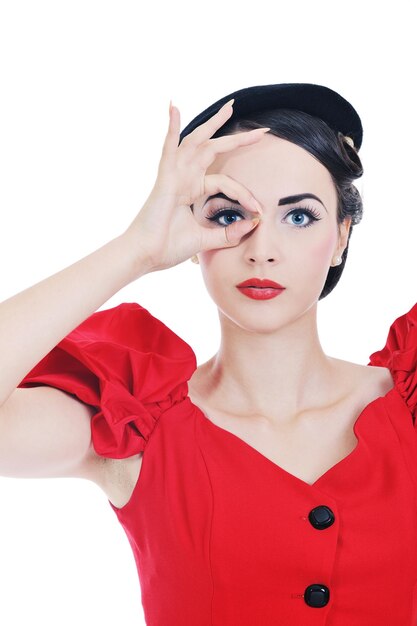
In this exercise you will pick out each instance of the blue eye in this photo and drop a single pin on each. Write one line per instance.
(214, 217)
(312, 214)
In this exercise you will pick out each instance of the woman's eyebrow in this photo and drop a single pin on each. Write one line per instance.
(286, 200)
(298, 197)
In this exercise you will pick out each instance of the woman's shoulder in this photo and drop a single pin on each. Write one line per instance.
(357, 375)
(125, 363)
(399, 355)
(357, 385)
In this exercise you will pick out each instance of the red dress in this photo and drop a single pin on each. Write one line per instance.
(221, 535)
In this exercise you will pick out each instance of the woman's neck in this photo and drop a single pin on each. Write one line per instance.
(276, 374)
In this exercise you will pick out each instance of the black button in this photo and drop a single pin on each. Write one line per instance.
(321, 517)
(316, 595)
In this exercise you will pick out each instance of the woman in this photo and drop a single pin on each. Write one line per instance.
(272, 484)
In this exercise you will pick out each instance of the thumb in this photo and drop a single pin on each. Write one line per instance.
(231, 235)
(235, 232)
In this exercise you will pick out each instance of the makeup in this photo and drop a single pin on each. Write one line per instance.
(260, 293)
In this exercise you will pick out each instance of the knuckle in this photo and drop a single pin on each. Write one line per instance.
(206, 158)
(187, 141)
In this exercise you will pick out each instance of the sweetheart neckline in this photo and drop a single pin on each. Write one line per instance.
(279, 468)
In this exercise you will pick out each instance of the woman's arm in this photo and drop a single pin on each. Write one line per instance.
(45, 432)
(33, 321)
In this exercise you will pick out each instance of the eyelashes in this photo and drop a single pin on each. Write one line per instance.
(312, 214)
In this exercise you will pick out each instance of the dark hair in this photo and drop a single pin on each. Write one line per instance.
(331, 149)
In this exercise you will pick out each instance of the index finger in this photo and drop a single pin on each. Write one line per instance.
(204, 131)
(230, 189)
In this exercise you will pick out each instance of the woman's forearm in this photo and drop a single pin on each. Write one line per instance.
(33, 321)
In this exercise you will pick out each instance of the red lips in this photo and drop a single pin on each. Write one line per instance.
(260, 282)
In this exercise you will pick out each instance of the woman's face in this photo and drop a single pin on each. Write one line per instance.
(288, 246)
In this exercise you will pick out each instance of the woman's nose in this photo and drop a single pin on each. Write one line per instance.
(261, 243)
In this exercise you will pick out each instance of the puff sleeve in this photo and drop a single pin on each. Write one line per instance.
(399, 355)
(125, 363)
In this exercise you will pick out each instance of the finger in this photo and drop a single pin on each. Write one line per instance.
(209, 151)
(172, 137)
(228, 236)
(215, 183)
(229, 142)
(206, 130)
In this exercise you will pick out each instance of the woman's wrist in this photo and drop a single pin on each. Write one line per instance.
(137, 258)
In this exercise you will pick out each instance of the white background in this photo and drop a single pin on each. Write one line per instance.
(85, 90)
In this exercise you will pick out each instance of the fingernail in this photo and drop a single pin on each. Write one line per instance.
(257, 206)
(229, 103)
(256, 221)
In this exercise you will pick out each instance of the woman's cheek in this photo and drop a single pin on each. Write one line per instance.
(315, 265)
(212, 269)
(321, 253)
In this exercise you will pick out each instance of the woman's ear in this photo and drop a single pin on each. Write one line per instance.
(344, 228)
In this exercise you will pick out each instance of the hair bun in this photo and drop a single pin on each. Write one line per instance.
(349, 140)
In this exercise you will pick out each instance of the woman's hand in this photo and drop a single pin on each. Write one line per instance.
(165, 230)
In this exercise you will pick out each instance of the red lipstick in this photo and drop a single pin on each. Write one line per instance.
(260, 288)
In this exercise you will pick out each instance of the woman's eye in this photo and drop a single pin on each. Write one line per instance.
(226, 213)
(299, 215)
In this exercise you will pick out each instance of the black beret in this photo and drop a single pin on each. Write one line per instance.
(316, 100)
